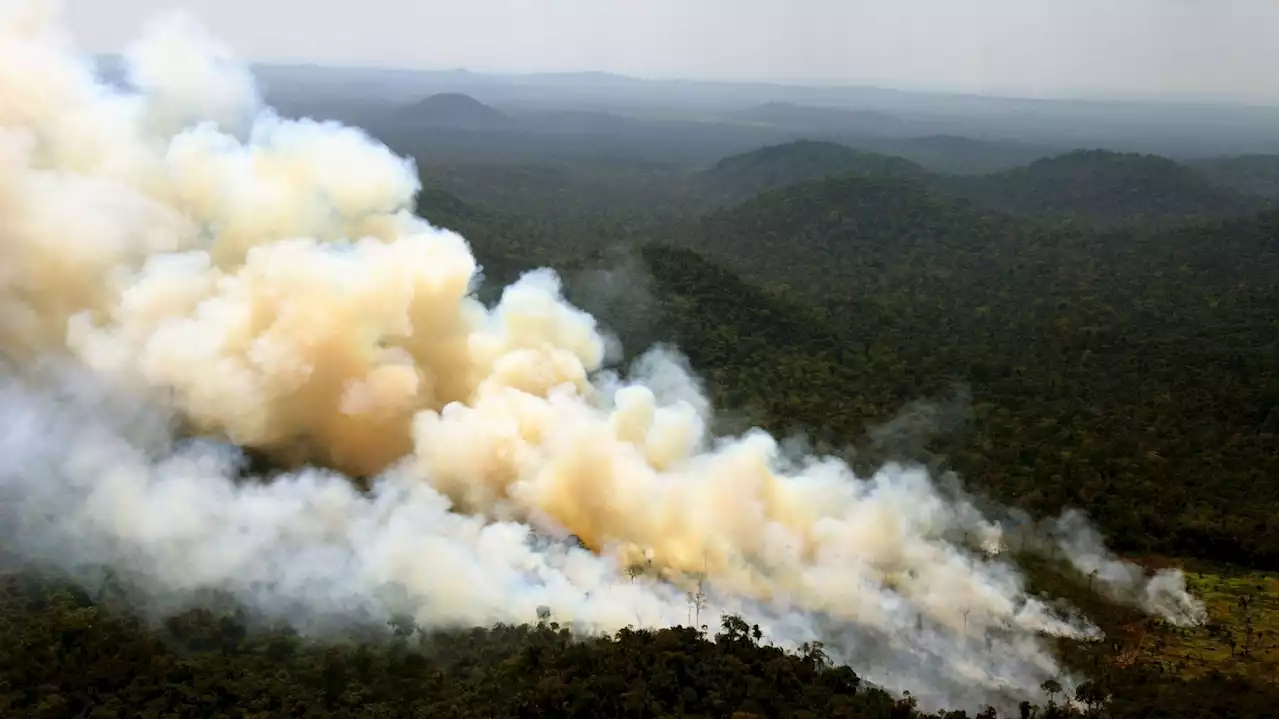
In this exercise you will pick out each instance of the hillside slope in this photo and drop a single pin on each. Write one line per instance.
(750, 173)
(1102, 186)
(1250, 174)
(1114, 371)
(455, 110)
(819, 229)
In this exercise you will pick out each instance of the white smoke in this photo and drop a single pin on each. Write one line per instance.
(185, 77)
(1164, 594)
(181, 258)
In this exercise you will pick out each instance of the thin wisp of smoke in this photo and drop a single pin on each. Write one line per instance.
(177, 259)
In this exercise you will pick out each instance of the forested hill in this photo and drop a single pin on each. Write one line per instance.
(1251, 174)
(827, 233)
(1092, 185)
(1103, 186)
(451, 109)
(750, 173)
(1117, 371)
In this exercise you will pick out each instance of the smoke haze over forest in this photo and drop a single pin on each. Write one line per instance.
(181, 260)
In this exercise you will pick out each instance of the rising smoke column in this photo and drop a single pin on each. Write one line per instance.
(178, 255)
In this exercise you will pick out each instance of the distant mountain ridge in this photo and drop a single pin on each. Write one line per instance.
(829, 119)
(1167, 127)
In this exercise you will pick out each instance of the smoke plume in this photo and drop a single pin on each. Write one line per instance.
(178, 261)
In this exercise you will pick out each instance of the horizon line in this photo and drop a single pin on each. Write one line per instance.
(1102, 97)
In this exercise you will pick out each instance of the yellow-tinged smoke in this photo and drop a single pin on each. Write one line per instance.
(269, 277)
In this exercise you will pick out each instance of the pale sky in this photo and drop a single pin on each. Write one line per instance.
(1224, 49)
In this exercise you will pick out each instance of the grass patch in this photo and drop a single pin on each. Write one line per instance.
(1239, 638)
(1239, 603)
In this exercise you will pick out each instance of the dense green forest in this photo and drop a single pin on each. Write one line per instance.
(739, 177)
(1113, 370)
(66, 654)
(1096, 330)
(1106, 187)
(1252, 174)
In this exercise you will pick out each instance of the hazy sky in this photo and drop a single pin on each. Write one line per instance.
(1214, 48)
